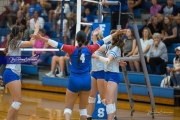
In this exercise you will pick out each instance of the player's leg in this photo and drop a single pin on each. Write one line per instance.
(69, 103)
(83, 100)
(92, 98)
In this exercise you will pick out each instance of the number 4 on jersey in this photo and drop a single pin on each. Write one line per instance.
(82, 58)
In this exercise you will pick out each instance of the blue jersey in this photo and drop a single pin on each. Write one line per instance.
(115, 8)
(85, 57)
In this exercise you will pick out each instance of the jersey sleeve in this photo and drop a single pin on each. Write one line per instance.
(68, 48)
(19, 43)
(115, 52)
(93, 48)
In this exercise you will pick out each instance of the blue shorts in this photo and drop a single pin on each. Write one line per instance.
(98, 74)
(79, 82)
(111, 76)
(9, 76)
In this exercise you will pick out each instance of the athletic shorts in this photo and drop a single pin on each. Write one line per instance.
(79, 82)
(98, 74)
(9, 76)
(111, 76)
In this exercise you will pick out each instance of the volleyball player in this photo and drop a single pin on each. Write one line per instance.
(11, 76)
(114, 51)
(97, 78)
(79, 80)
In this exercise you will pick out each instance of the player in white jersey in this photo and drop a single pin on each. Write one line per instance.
(97, 77)
(112, 76)
(11, 76)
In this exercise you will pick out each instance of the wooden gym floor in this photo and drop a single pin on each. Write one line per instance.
(38, 105)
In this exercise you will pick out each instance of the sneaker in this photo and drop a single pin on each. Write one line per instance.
(1, 87)
(60, 75)
(89, 118)
(50, 74)
(115, 118)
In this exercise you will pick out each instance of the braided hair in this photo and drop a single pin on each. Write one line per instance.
(81, 39)
(15, 37)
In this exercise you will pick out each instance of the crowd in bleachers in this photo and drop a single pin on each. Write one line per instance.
(163, 19)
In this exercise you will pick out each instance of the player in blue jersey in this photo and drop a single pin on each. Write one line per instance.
(112, 61)
(97, 78)
(11, 76)
(80, 79)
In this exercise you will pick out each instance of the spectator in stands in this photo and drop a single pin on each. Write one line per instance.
(45, 5)
(115, 14)
(75, 7)
(43, 55)
(72, 27)
(20, 20)
(65, 30)
(87, 17)
(177, 22)
(146, 42)
(155, 26)
(54, 14)
(175, 71)
(34, 7)
(157, 55)
(130, 45)
(155, 8)
(169, 9)
(10, 15)
(32, 22)
(133, 4)
(170, 32)
(61, 61)
(89, 5)
(23, 5)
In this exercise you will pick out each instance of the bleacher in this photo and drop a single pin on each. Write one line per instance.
(137, 80)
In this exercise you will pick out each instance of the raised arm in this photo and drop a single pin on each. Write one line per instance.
(105, 40)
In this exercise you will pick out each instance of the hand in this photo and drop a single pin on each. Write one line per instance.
(120, 31)
(103, 1)
(37, 36)
(96, 31)
(122, 63)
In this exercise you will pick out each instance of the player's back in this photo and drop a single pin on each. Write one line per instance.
(84, 62)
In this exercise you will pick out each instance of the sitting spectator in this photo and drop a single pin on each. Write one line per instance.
(65, 30)
(134, 4)
(175, 72)
(10, 16)
(157, 55)
(75, 7)
(155, 8)
(54, 14)
(61, 61)
(170, 32)
(45, 5)
(146, 42)
(89, 5)
(34, 7)
(42, 54)
(155, 26)
(21, 21)
(130, 45)
(23, 5)
(169, 9)
(30, 30)
(87, 17)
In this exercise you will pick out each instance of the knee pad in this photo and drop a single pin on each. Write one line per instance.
(67, 110)
(83, 112)
(91, 100)
(110, 108)
(104, 101)
(16, 105)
